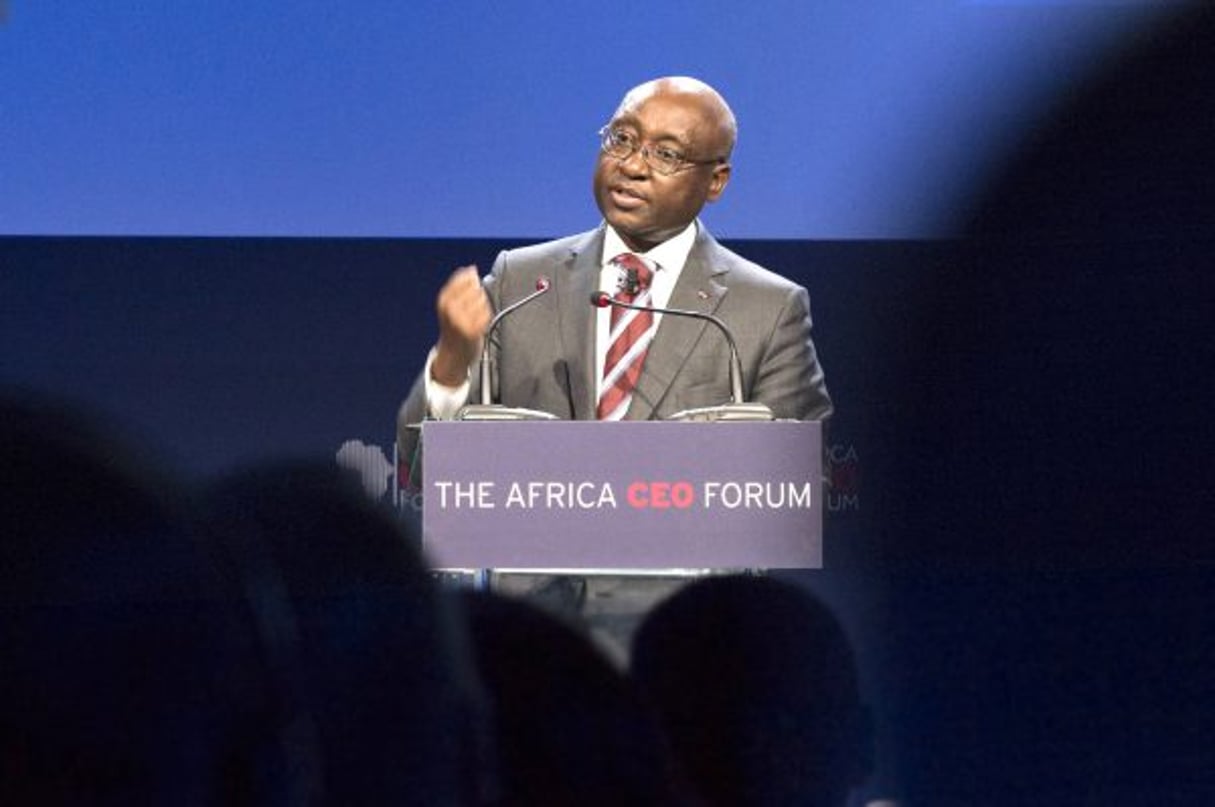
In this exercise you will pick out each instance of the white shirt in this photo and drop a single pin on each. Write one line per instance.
(667, 260)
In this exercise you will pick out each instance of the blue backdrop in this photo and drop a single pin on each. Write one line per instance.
(470, 119)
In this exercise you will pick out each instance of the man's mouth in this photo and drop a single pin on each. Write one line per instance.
(625, 197)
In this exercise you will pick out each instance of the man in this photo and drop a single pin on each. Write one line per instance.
(664, 155)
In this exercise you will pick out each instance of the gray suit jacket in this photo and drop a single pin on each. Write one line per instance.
(544, 353)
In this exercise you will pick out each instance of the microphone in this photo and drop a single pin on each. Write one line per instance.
(632, 281)
(487, 409)
(737, 408)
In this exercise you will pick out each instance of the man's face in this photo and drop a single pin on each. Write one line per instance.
(642, 205)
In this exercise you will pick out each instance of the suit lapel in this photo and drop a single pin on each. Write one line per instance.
(698, 289)
(577, 328)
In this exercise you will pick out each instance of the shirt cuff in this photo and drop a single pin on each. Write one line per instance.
(442, 401)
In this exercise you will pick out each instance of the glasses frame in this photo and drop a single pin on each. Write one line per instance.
(606, 140)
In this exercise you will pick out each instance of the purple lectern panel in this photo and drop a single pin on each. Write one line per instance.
(631, 495)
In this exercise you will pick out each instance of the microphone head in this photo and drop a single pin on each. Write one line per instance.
(600, 299)
(542, 283)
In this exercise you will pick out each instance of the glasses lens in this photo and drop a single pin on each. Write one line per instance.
(664, 161)
(614, 143)
(621, 145)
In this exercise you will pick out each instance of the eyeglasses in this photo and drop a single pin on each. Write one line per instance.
(621, 143)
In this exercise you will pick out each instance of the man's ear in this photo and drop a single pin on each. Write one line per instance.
(717, 184)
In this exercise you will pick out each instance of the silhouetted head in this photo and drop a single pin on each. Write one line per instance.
(570, 728)
(112, 636)
(373, 696)
(756, 686)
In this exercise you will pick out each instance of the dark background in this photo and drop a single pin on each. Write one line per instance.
(1019, 541)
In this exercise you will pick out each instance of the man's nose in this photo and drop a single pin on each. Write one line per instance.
(635, 164)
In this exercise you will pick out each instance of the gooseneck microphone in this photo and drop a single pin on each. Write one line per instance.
(487, 409)
(737, 408)
(542, 286)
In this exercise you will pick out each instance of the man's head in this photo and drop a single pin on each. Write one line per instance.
(756, 684)
(681, 122)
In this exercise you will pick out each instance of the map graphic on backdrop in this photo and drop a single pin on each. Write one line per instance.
(378, 475)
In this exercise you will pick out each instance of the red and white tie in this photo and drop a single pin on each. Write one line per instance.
(628, 341)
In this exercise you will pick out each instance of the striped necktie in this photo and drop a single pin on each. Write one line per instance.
(628, 341)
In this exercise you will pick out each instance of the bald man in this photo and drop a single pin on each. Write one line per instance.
(664, 154)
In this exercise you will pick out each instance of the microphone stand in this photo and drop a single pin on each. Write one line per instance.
(487, 409)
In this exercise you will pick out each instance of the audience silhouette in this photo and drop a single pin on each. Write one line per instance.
(111, 638)
(374, 694)
(570, 726)
(275, 638)
(756, 686)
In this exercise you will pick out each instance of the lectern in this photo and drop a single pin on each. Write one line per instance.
(630, 496)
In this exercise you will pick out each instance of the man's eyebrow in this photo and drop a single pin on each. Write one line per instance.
(662, 137)
(670, 138)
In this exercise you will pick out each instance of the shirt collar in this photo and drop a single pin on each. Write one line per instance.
(670, 254)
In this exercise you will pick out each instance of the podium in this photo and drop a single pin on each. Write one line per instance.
(630, 496)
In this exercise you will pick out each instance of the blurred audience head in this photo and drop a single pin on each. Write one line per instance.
(109, 633)
(570, 728)
(374, 695)
(756, 685)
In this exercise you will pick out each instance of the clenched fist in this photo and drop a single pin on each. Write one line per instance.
(464, 313)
